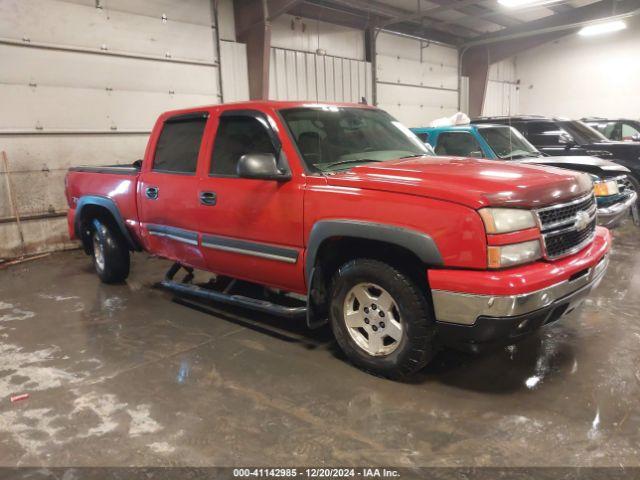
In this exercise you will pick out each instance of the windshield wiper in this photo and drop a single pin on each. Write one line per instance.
(344, 162)
(414, 156)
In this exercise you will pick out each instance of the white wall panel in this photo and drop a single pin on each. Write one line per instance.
(39, 152)
(62, 23)
(503, 92)
(417, 81)
(583, 76)
(62, 108)
(188, 11)
(502, 98)
(233, 66)
(307, 35)
(415, 106)
(36, 66)
(226, 20)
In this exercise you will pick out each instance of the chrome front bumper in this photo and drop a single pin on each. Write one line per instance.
(610, 216)
(465, 309)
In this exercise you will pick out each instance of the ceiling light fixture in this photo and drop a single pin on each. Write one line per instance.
(600, 28)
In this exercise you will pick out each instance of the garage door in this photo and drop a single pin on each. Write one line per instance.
(417, 81)
(82, 83)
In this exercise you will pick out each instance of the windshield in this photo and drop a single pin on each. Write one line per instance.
(508, 143)
(334, 138)
(582, 133)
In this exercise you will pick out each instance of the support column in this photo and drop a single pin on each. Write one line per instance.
(475, 65)
(254, 29)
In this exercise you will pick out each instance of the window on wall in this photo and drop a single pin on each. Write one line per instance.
(238, 136)
(458, 144)
(179, 144)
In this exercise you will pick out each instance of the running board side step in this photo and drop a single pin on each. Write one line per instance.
(238, 300)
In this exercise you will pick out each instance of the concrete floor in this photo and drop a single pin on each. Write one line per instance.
(123, 375)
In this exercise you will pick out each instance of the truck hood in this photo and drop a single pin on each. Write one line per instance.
(595, 165)
(472, 182)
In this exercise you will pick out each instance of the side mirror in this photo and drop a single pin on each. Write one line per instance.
(262, 166)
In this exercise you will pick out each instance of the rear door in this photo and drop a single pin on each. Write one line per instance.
(251, 228)
(168, 200)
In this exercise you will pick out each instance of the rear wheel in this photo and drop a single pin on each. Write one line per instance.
(381, 318)
(110, 253)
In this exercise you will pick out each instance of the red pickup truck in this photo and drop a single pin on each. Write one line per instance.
(335, 212)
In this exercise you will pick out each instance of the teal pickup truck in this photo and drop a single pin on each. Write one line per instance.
(615, 194)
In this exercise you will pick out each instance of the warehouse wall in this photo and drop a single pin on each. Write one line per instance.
(578, 76)
(416, 81)
(503, 91)
(82, 83)
(298, 72)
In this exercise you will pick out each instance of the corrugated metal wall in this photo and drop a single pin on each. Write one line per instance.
(82, 83)
(298, 72)
(417, 81)
(297, 75)
(503, 91)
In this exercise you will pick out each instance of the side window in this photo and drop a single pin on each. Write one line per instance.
(611, 130)
(179, 143)
(236, 137)
(629, 133)
(459, 144)
(547, 134)
(423, 136)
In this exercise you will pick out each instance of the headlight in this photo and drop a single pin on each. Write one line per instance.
(505, 220)
(514, 254)
(604, 188)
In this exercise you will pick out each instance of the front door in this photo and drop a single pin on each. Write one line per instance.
(168, 200)
(251, 229)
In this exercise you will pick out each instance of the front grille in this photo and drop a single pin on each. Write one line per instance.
(563, 229)
(560, 244)
(564, 214)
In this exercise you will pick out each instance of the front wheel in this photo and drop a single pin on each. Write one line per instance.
(381, 319)
(110, 253)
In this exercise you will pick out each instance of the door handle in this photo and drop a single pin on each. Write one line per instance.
(152, 192)
(208, 198)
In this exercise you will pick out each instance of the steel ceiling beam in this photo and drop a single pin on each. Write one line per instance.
(563, 21)
(417, 16)
(478, 10)
(375, 13)
(384, 10)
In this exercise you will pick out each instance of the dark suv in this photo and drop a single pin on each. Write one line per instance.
(559, 136)
(618, 129)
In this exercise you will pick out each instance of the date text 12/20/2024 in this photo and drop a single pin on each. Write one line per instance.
(315, 473)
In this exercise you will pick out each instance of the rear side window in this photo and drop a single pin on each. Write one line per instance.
(459, 144)
(179, 144)
(238, 136)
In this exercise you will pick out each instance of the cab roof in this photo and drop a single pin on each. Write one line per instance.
(271, 104)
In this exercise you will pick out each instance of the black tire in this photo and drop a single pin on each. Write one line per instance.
(416, 346)
(110, 253)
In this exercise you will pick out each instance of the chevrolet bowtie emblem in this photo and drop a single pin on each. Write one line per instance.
(582, 221)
